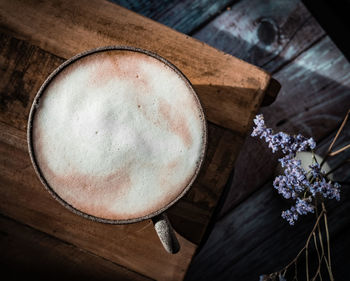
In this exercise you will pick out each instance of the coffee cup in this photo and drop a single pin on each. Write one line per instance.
(118, 135)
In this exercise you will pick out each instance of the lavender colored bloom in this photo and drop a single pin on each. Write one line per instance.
(260, 125)
(288, 144)
(260, 129)
(285, 160)
(336, 191)
(294, 180)
(281, 184)
(303, 143)
(279, 140)
(303, 206)
(326, 189)
(296, 174)
(316, 171)
(290, 215)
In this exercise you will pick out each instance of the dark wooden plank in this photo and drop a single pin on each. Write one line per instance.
(266, 33)
(314, 98)
(184, 16)
(279, 36)
(24, 68)
(28, 254)
(253, 239)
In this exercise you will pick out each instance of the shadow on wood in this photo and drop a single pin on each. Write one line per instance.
(214, 99)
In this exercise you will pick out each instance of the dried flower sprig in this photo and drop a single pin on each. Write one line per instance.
(305, 188)
(296, 183)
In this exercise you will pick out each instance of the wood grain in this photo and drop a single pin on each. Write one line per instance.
(184, 16)
(24, 68)
(269, 34)
(313, 73)
(314, 99)
(28, 254)
(221, 75)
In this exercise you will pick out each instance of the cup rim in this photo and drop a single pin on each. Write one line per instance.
(35, 105)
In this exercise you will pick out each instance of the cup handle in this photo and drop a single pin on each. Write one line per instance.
(166, 233)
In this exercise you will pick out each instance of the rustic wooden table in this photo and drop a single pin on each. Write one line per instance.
(35, 39)
(249, 238)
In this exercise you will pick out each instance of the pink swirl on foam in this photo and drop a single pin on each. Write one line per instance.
(118, 134)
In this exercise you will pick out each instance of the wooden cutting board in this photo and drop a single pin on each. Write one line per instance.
(36, 38)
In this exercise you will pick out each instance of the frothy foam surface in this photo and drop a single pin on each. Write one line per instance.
(118, 134)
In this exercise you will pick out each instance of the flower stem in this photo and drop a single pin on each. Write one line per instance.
(307, 241)
(339, 150)
(335, 138)
(318, 255)
(296, 271)
(307, 263)
(328, 243)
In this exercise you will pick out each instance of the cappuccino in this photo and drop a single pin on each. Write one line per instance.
(118, 134)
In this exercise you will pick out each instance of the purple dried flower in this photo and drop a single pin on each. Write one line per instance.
(294, 180)
(336, 191)
(281, 184)
(285, 160)
(297, 177)
(279, 140)
(288, 144)
(290, 215)
(326, 189)
(311, 143)
(260, 128)
(303, 143)
(316, 170)
(303, 206)
(294, 183)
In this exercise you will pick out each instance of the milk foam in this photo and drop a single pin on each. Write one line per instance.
(118, 134)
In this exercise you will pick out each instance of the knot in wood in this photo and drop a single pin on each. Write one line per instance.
(267, 31)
